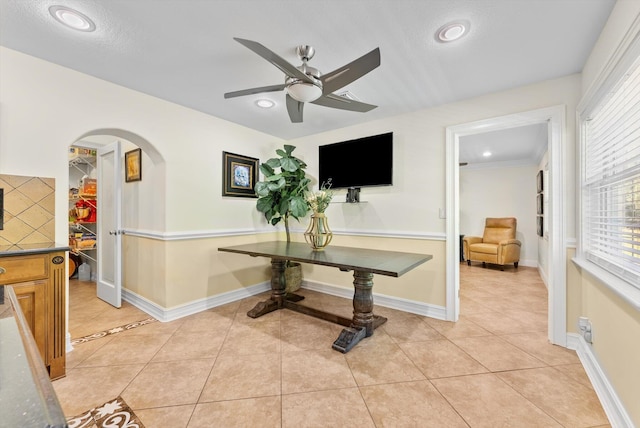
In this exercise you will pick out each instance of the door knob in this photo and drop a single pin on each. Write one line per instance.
(2, 270)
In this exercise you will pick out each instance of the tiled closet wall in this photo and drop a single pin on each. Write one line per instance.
(29, 210)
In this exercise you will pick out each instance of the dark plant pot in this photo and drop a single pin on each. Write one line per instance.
(293, 277)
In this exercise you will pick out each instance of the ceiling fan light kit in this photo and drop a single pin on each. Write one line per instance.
(304, 84)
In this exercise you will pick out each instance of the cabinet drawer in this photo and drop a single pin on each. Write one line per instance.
(24, 268)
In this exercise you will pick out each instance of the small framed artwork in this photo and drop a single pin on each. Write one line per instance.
(240, 175)
(133, 165)
(540, 203)
(540, 225)
(540, 181)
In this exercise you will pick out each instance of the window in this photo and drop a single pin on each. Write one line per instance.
(611, 179)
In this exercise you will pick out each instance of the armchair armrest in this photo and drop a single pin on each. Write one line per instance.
(509, 251)
(510, 242)
(466, 242)
(472, 239)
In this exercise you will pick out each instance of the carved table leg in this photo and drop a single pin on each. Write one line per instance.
(278, 293)
(364, 321)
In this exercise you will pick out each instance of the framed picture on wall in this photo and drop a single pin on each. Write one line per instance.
(133, 165)
(540, 199)
(239, 175)
(540, 181)
(540, 225)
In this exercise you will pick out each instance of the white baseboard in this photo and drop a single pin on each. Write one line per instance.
(618, 416)
(528, 263)
(405, 305)
(164, 315)
(68, 345)
(543, 275)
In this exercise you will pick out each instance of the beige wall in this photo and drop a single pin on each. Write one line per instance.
(615, 323)
(616, 329)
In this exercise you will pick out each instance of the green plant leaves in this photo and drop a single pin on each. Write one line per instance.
(281, 193)
(264, 204)
(298, 207)
(289, 164)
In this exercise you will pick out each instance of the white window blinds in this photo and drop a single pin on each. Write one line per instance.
(611, 182)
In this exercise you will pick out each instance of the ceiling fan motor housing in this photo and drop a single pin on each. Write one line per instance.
(304, 91)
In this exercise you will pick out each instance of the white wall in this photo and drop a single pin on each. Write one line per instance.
(44, 108)
(501, 192)
(411, 205)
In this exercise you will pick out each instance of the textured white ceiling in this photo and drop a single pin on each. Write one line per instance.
(183, 50)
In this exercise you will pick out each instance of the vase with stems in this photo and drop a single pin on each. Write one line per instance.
(318, 234)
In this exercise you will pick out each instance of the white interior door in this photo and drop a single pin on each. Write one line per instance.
(109, 281)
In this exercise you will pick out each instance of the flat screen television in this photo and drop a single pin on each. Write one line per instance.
(362, 162)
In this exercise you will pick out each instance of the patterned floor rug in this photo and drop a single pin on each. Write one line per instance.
(112, 414)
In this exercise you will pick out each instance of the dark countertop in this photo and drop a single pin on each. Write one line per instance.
(21, 249)
(27, 398)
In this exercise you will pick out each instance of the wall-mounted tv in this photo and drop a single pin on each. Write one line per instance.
(362, 162)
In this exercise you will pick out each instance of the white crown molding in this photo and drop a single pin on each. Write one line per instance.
(613, 407)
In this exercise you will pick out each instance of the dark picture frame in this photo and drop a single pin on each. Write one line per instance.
(540, 199)
(540, 181)
(540, 225)
(133, 165)
(239, 175)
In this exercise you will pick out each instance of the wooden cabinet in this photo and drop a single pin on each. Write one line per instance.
(38, 281)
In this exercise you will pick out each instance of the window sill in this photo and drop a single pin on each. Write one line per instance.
(620, 287)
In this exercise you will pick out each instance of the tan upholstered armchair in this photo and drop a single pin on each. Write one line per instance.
(498, 245)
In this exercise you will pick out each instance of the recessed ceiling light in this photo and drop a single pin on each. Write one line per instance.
(452, 31)
(265, 103)
(486, 154)
(72, 18)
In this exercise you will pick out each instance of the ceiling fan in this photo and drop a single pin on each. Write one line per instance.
(305, 84)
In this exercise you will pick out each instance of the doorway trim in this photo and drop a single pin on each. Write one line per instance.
(557, 302)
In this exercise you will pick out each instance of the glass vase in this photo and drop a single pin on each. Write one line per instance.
(318, 234)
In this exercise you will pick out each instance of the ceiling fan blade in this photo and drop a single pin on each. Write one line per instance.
(273, 58)
(354, 70)
(335, 101)
(294, 107)
(272, 88)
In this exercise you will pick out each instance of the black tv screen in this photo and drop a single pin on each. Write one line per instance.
(361, 162)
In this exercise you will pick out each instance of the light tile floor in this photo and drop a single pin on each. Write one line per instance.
(219, 368)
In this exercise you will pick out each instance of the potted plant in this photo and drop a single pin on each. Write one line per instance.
(282, 195)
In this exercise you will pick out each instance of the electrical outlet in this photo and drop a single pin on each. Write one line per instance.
(586, 330)
(442, 213)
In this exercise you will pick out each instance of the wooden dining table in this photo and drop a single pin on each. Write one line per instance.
(363, 262)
